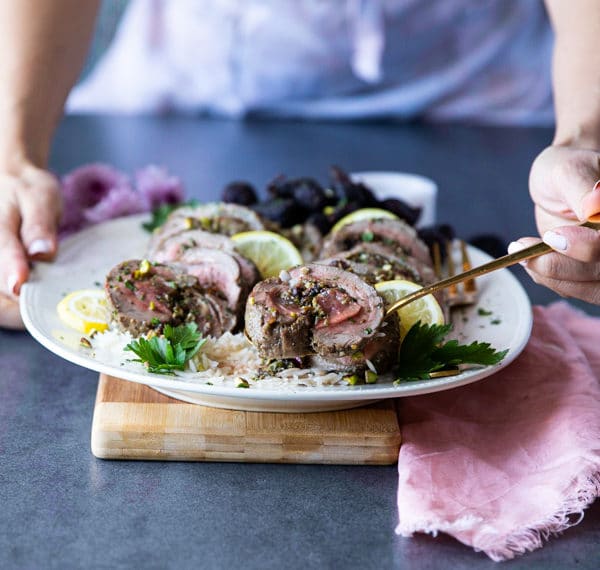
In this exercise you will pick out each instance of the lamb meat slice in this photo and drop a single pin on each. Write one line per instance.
(319, 309)
(183, 243)
(210, 311)
(375, 263)
(214, 217)
(143, 296)
(173, 245)
(276, 323)
(381, 351)
(306, 237)
(396, 235)
(215, 270)
(348, 310)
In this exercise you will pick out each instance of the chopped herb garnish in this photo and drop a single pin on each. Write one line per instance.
(424, 351)
(495, 321)
(483, 312)
(368, 330)
(154, 321)
(367, 236)
(243, 383)
(130, 285)
(170, 351)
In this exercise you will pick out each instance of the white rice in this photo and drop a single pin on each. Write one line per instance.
(224, 361)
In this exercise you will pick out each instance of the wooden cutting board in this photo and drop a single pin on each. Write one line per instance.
(133, 421)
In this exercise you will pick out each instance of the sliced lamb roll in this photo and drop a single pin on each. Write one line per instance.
(182, 244)
(170, 246)
(306, 237)
(396, 235)
(381, 353)
(214, 218)
(375, 263)
(275, 323)
(144, 296)
(318, 310)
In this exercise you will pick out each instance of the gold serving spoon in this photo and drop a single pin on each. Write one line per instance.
(504, 261)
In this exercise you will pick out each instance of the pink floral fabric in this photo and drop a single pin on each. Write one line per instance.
(504, 463)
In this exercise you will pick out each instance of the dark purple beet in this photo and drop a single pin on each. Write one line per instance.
(403, 210)
(239, 192)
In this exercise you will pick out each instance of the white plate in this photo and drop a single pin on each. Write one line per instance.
(85, 258)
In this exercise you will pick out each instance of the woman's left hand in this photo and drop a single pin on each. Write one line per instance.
(565, 187)
(9, 311)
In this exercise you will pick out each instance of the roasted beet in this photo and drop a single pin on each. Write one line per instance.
(284, 211)
(239, 192)
(321, 221)
(309, 194)
(350, 191)
(403, 210)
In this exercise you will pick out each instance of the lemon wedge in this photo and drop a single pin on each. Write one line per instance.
(426, 309)
(270, 252)
(364, 214)
(84, 310)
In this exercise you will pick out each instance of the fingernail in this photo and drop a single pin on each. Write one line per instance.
(40, 246)
(515, 246)
(555, 241)
(13, 284)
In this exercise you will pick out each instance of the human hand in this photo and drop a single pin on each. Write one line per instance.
(29, 213)
(565, 189)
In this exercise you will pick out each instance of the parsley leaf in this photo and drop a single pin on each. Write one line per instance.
(170, 351)
(423, 351)
(161, 213)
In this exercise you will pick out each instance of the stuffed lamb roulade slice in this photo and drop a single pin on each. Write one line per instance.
(397, 236)
(313, 309)
(374, 263)
(214, 218)
(144, 296)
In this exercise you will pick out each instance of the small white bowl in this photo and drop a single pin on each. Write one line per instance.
(415, 190)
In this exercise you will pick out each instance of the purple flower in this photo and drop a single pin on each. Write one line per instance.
(119, 201)
(85, 187)
(157, 186)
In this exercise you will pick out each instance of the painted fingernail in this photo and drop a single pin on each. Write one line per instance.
(39, 246)
(515, 246)
(13, 284)
(555, 241)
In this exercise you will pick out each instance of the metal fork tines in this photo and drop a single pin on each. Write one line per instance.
(457, 294)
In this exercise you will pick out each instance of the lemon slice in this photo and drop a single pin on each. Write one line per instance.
(364, 214)
(426, 309)
(84, 310)
(270, 252)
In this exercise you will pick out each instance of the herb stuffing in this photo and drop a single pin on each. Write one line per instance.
(170, 351)
(424, 351)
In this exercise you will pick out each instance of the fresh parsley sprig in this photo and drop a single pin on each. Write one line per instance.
(161, 213)
(170, 351)
(424, 351)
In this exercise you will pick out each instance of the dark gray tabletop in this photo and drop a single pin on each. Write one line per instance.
(62, 508)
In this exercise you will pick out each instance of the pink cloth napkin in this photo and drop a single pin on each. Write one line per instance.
(506, 462)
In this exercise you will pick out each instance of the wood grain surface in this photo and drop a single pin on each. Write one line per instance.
(133, 421)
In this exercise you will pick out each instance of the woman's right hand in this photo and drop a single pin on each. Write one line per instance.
(30, 208)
